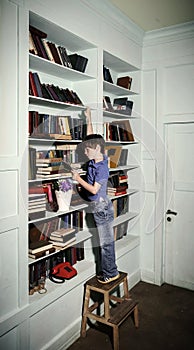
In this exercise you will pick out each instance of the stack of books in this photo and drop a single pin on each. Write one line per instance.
(63, 237)
(51, 167)
(117, 184)
(36, 206)
(39, 249)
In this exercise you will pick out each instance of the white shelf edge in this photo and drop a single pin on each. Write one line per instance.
(125, 217)
(118, 115)
(55, 104)
(128, 193)
(52, 68)
(33, 139)
(124, 167)
(51, 215)
(117, 90)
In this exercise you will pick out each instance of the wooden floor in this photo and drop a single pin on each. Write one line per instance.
(166, 322)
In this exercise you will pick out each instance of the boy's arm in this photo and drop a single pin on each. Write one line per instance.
(87, 113)
(90, 188)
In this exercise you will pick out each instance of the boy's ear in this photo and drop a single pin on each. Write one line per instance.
(98, 147)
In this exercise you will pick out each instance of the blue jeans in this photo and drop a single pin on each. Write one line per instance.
(103, 216)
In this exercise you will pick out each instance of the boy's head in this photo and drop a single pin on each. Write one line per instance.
(94, 141)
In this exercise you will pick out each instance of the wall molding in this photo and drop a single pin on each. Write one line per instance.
(168, 34)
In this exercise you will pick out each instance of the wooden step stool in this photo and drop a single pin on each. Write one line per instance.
(113, 316)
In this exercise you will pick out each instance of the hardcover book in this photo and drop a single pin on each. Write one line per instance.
(125, 82)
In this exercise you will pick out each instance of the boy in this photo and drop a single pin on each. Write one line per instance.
(101, 206)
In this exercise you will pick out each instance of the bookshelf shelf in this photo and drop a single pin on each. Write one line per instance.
(39, 101)
(112, 142)
(125, 217)
(124, 167)
(57, 70)
(52, 215)
(117, 115)
(129, 193)
(52, 140)
(117, 90)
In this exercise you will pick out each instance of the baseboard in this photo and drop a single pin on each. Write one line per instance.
(134, 278)
(147, 276)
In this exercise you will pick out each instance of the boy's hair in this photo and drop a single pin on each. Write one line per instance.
(93, 140)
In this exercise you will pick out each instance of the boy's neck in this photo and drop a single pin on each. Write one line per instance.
(99, 157)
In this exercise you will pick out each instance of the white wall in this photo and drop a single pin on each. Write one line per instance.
(168, 62)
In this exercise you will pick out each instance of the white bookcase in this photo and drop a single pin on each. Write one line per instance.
(58, 312)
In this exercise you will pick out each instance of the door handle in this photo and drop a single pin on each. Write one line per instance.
(170, 212)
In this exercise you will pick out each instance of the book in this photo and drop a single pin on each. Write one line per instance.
(39, 246)
(58, 245)
(107, 75)
(61, 232)
(107, 105)
(41, 254)
(64, 56)
(63, 239)
(123, 106)
(123, 157)
(78, 62)
(38, 84)
(32, 46)
(32, 85)
(54, 52)
(113, 153)
(125, 82)
(37, 31)
(48, 50)
(48, 160)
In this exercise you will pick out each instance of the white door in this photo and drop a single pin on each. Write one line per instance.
(179, 225)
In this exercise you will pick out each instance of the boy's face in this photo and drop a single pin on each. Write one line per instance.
(91, 153)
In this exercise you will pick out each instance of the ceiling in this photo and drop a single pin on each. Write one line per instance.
(156, 14)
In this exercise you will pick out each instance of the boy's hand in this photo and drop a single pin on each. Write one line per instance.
(87, 113)
(75, 175)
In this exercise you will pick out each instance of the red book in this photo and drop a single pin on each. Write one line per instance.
(32, 84)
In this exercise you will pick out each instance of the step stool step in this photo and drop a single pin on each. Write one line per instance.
(121, 311)
(100, 287)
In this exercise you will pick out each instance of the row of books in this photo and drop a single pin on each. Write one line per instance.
(117, 184)
(120, 205)
(119, 130)
(53, 126)
(119, 105)
(38, 45)
(124, 82)
(51, 91)
(42, 268)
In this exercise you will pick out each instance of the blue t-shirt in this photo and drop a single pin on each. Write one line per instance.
(98, 172)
